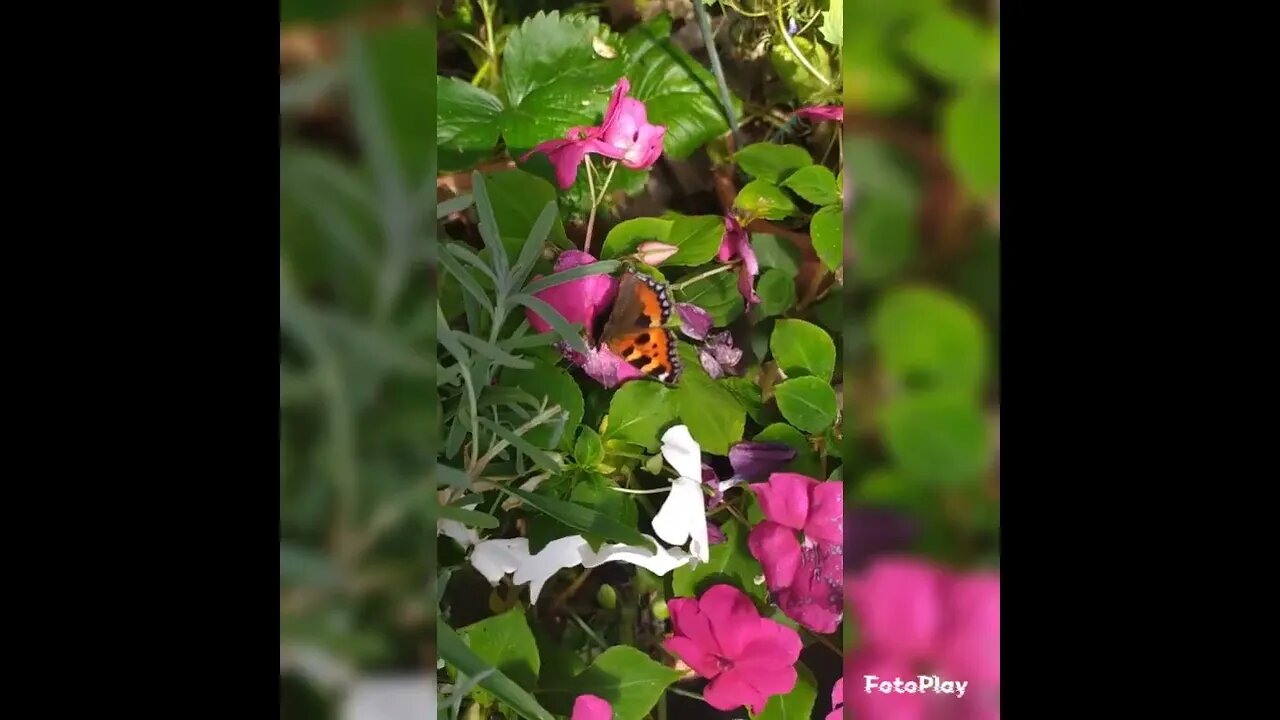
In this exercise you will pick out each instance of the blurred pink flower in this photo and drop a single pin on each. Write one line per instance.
(590, 707)
(917, 618)
(837, 701)
(748, 658)
(806, 577)
(822, 112)
(625, 135)
(737, 243)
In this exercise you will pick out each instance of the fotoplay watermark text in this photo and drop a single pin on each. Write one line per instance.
(922, 683)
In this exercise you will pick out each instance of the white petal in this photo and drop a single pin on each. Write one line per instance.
(681, 512)
(685, 455)
(559, 554)
(495, 558)
(657, 560)
(465, 536)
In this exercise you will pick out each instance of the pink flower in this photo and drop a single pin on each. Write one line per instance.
(625, 135)
(823, 112)
(737, 243)
(579, 301)
(590, 707)
(748, 658)
(806, 577)
(916, 619)
(837, 701)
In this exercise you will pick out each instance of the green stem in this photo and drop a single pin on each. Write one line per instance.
(595, 201)
(782, 28)
(704, 24)
(686, 693)
(703, 275)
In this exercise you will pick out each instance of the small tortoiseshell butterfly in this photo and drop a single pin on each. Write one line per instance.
(636, 328)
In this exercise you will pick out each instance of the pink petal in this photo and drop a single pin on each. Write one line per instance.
(733, 616)
(609, 368)
(773, 645)
(822, 112)
(694, 321)
(731, 690)
(971, 648)
(565, 157)
(785, 498)
(766, 676)
(689, 620)
(898, 602)
(734, 238)
(778, 551)
(876, 705)
(816, 597)
(837, 693)
(579, 301)
(826, 513)
(590, 707)
(693, 655)
(620, 91)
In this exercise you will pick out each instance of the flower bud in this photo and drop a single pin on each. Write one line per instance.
(653, 252)
(659, 609)
(607, 597)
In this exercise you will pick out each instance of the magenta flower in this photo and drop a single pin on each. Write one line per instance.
(919, 619)
(590, 707)
(837, 701)
(748, 658)
(822, 112)
(806, 577)
(694, 321)
(625, 135)
(737, 243)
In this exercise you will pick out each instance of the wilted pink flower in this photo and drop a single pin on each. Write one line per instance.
(806, 577)
(603, 365)
(694, 321)
(590, 707)
(755, 460)
(654, 252)
(917, 618)
(748, 658)
(718, 355)
(737, 243)
(823, 112)
(837, 701)
(625, 135)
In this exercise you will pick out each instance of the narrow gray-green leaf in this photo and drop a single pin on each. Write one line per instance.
(581, 518)
(533, 245)
(468, 282)
(538, 456)
(470, 518)
(557, 321)
(469, 256)
(448, 207)
(596, 268)
(492, 352)
(456, 653)
(489, 230)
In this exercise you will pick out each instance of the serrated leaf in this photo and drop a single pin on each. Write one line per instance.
(468, 123)
(814, 183)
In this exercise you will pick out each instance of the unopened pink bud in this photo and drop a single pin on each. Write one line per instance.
(653, 252)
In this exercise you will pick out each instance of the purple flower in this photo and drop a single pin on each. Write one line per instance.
(694, 321)
(753, 461)
(718, 355)
(737, 243)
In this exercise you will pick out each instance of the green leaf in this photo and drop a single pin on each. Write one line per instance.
(490, 232)
(883, 171)
(627, 235)
(771, 162)
(558, 388)
(797, 704)
(697, 236)
(452, 476)
(588, 451)
(827, 231)
(971, 132)
(581, 518)
(622, 676)
(748, 395)
(884, 238)
(802, 348)
(506, 643)
(639, 411)
(764, 199)
(798, 79)
(714, 416)
(730, 562)
(807, 402)
(467, 125)
(492, 353)
(533, 245)
(927, 339)
(456, 653)
(594, 491)
(717, 295)
(937, 437)
(392, 98)
(543, 460)
(553, 79)
(815, 183)
(551, 315)
(518, 200)
(777, 291)
(806, 461)
(776, 252)
(574, 273)
(872, 78)
(949, 45)
(833, 23)
(678, 92)
(470, 518)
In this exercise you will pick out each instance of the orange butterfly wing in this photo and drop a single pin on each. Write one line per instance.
(649, 347)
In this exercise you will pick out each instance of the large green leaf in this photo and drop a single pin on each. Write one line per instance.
(717, 295)
(622, 676)
(518, 198)
(938, 437)
(677, 91)
(454, 651)
(468, 123)
(971, 131)
(950, 45)
(772, 162)
(928, 339)
(506, 643)
(797, 704)
(554, 79)
(639, 411)
(714, 416)
(802, 348)
(585, 519)
(884, 237)
(807, 402)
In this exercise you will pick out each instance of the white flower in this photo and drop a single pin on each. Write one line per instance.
(683, 516)
(465, 536)
(495, 558)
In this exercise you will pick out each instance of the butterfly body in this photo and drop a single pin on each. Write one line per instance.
(636, 328)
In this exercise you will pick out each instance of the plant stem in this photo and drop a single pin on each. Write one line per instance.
(782, 28)
(703, 275)
(574, 586)
(823, 641)
(595, 201)
(587, 629)
(704, 24)
(686, 693)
